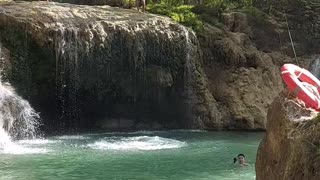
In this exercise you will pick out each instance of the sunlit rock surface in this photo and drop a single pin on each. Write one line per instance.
(290, 148)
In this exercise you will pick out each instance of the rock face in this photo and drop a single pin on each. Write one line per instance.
(82, 65)
(243, 76)
(290, 148)
(243, 57)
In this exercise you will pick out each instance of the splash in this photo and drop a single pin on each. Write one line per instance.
(17, 117)
(145, 143)
(73, 137)
(18, 120)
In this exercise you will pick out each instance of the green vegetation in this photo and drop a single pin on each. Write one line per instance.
(193, 13)
(181, 13)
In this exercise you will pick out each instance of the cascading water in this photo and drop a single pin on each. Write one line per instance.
(18, 119)
(67, 76)
(195, 91)
(188, 68)
(188, 64)
(315, 67)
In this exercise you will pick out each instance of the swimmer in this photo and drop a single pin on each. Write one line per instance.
(241, 160)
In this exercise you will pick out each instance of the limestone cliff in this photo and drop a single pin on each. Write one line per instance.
(290, 148)
(242, 58)
(81, 65)
(242, 78)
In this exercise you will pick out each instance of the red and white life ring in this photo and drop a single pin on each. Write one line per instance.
(303, 84)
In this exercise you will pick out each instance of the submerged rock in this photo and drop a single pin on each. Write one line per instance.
(79, 65)
(290, 148)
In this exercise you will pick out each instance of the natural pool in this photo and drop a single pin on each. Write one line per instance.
(185, 155)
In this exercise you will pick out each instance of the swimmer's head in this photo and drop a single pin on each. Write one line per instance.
(241, 158)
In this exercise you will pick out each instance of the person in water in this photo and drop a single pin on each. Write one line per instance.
(141, 3)
(241, 160)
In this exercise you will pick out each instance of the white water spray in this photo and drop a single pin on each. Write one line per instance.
(145, 143)
(17, 117)
(18, 120)
(314, 67)
(188, 64)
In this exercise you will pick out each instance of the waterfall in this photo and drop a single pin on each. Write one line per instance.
(188, 70)
(18, 119)
(188, 64)
(67, 76)
(198, 100)
(314, 67)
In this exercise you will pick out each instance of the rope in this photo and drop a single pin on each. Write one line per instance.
(294, 51)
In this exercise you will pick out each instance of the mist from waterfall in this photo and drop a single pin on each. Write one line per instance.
(18, 120)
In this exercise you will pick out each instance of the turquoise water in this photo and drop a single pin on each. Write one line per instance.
(185, 155)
